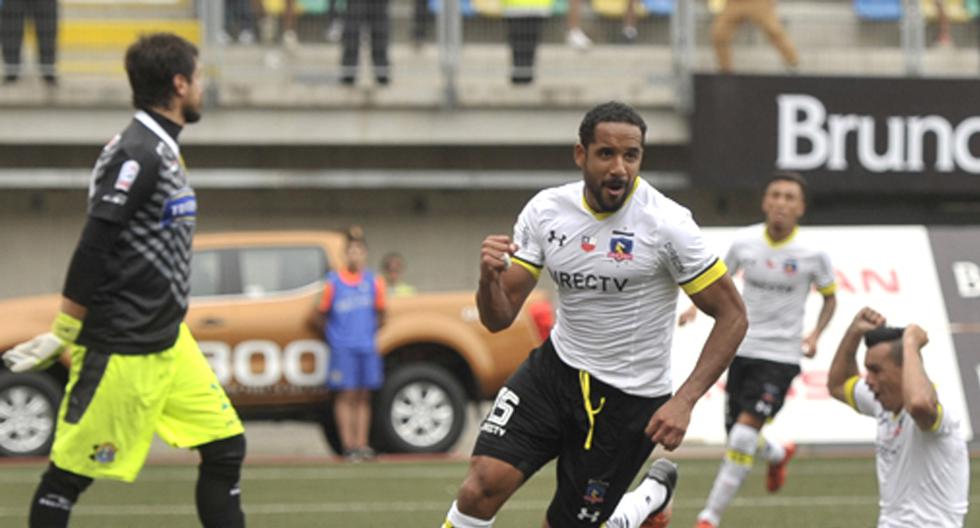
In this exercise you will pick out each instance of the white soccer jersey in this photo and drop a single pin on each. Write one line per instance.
(923, 476)
(777, 277)
(617, 276)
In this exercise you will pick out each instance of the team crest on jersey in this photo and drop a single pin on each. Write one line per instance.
(589, 243)
(621, 246)
(180, 208)
(790, 266)
(127, 175)
(595, 492)
(103, 453)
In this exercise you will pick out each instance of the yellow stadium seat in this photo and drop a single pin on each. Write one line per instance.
(616, 8)
(955, 9)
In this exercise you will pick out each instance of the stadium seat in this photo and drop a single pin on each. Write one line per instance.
(659, 7)
(465, 7)
(878, 10)
(956, 10)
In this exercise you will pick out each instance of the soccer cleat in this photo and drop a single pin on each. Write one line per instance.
(704, 523)
(665, 472)
(576, 38)
(776, 476)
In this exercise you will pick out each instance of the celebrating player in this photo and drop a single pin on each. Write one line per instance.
(135, 368)
(780, 266)
(597, 393)
(922, 459)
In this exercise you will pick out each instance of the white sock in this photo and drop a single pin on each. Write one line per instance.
(771, 451)
(737, 464)
(638, 504)
(455, 519)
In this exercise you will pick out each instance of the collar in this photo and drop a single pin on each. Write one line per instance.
(147, 119)
(772, 243)
(606, 214)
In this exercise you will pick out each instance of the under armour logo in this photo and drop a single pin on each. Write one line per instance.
(591, 515)
(554, 236)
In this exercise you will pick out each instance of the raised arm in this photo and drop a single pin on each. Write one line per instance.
(721, 301)
(844, 365)
(918, 394)
(503, 286)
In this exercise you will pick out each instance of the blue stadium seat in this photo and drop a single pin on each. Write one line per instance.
(465, 7)
(878, 10)
(659, 7)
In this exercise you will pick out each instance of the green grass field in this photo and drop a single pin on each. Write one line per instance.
(821, 492)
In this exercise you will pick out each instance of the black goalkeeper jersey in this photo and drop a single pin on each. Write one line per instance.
(139, 183)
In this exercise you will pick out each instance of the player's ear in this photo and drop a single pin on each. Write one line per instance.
(579, 154)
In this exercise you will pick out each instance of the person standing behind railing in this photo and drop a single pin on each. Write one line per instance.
(762, 13)
(524, 20)
(45, 16)
(374, 15)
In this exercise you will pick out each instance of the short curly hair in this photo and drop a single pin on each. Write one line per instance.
(611, 112)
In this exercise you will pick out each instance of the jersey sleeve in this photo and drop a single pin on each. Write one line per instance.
(690, 262)
(859, 396)
(124, 184)
(823, 277)
(326, 298)
(732, 261)
(530, 252)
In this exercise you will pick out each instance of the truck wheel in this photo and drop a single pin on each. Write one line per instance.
(420, 409)
(28, 413)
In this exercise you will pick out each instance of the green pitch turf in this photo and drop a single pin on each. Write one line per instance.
(820, 492)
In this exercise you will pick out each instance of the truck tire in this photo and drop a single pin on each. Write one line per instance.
(420, 409)
(28, 413)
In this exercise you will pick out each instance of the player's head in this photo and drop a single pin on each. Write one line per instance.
(609, 152)
(784, 199)
(356, 249)
(392, 265)
(883, 362)
(164, 73)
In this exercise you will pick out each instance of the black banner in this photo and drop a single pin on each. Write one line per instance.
(889, 135)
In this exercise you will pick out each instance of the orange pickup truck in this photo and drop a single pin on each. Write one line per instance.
(252, 293)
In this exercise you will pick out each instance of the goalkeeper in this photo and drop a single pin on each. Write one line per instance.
(135, 368)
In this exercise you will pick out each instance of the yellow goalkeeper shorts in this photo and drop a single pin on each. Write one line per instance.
(114, 403)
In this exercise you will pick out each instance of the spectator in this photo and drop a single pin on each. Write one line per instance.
(524, 20)
(374, 15)
(761, 13)
(944, 38)
(239, 21)
(13, 13)
(577, 38)
(335, 27)
(420, 22)
(350, 312)
(392, 266)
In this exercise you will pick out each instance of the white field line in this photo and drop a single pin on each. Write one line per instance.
(435, 506)
(386, 472)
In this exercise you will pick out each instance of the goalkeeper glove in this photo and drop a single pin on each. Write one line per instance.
(40, 352)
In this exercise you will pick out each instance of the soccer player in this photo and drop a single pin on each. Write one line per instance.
(350, 312)
(922, 460)
(135, 368)
(780, 266)
(596, 394)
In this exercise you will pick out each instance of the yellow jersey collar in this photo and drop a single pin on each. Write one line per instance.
(772, 243)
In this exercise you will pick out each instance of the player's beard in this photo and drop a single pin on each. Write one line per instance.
(191, 114)
(610, 204)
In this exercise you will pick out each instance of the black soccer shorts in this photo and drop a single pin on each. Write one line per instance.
(757, 386)
(540, 414)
